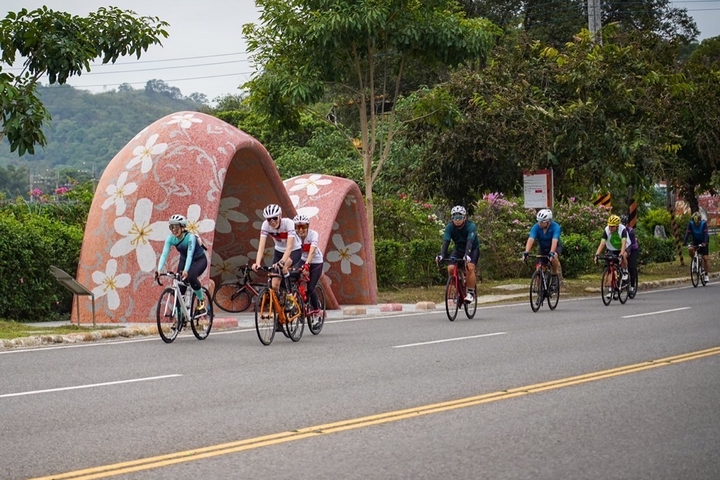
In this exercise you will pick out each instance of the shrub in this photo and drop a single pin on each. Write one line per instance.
(403, 219)
(577, 254)
(655, 249)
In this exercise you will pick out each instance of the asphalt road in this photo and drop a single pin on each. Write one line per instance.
(585, 392)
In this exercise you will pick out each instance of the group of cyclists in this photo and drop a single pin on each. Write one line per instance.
(618, 238)
(296, 246)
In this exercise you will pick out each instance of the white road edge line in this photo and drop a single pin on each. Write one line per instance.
(35, 392)
(657, 313)
(450, 340)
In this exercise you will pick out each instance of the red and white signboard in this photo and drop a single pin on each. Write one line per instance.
(538, 188)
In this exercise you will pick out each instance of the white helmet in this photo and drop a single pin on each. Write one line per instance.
(178, 220)
(458, 209)
(544, 215)
(299, 218)
(272, 210)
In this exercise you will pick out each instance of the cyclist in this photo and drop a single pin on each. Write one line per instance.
(463, 234)
(547, 233)
(615, 239)
(288, 248)
(634, 252)
(698, 229)
(312, 257)
(193, 260)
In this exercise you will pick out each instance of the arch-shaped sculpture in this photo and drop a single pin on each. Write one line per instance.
(220, 178)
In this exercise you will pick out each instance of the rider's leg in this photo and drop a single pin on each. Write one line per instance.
(470, 278)
(315, 272)
(632, 265)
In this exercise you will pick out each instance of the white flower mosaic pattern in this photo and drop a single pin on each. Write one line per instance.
(108, 283)
(345, 254)
(186, 120)
(144, 154)
(227, 269)
(309, 212)
(137, 233)
(226, 214)
(117, 193)
(310, 184)
(195, 225)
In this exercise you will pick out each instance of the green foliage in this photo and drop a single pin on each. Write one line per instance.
(60, 46)
(656, 250)
(28, 247)
(407, 263)
(577, 254)
(403, 219)
(388, 253)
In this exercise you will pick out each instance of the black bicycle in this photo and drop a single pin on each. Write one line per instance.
(543, 285)
(236, 296)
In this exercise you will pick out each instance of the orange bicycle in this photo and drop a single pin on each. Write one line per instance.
(278, 312)
(455, 290)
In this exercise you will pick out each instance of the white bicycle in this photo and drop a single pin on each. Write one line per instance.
(175, 310)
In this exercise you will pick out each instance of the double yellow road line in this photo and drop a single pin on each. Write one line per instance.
(291, 436)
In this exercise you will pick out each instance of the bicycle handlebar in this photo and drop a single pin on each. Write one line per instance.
(452, 261)
(176, 276)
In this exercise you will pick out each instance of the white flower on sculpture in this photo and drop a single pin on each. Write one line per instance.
(144, 154)
(186, 120)
(137, 234)
(258, 225)
(350, 199)
(345, 254)
(108, 283)
(117, 193)
(195, 225)
(227, 214)
(227, 268)
(310, 184)
(267, 254)
(309, 212)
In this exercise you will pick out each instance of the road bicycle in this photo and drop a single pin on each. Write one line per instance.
(175, 310)
(237, 295)
(314, 322)
(456, 289)
(612, 286)
(283, 311)
(543, 285)
(697, 267)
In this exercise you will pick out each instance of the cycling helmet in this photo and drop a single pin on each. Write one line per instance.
(613, 221)
(272, 210)
(458, 210)
(301, 219)
(696, 217)
(624, 219)
(178, 220)
(544, 215)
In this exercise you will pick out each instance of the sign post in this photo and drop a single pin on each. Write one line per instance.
(76, 288)
(538, 189)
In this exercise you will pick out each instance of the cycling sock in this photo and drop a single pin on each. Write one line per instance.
(199, 294)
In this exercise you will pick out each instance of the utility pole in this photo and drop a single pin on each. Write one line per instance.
(595, 20)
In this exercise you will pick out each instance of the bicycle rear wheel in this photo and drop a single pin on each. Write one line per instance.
(624, 286)
(606, 292)
(168, 316)
(452, 302)
(554, 292)
(470, 308)
(702, 274)
(294, 313)
(265, 317)
(201, 324)
(315, 325)
(536, 291)
(695, 271)
(232, 297)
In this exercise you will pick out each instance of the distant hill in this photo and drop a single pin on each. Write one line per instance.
(87, 130)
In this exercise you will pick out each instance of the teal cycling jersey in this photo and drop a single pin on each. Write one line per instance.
(461, 237)
(187, 246)
(698, 232)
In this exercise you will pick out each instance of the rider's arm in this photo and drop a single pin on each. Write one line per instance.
(165, 253)
(471, 237)
(192, 243)
(687, 234)
(444, 247)
(706, 234)
(601, 247)
(288, 249)
(261, 251)
(555, 237)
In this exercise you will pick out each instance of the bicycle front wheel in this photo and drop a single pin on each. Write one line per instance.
(232, 297)
(536, 291)
(294, 316)
(606, 287)
(623, 287)
(315, 325)
(702, 274)
(695, 272)
(202, 322)
(554, 292)
(452, 302)
(470, 308)
(168, 316)
(265, 317)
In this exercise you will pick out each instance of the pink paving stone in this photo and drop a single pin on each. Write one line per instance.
(391, 307)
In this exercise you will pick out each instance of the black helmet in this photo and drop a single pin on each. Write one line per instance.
(624, 219)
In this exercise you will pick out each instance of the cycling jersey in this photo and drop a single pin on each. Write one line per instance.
(632, 239)
(465, 238)
(311, 240)
(280, 235)
(613, 240)
(699, 233)
(187, 247)
(544, 238)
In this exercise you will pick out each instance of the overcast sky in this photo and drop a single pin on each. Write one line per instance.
(205, 51)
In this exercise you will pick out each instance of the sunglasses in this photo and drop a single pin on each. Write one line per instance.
(273, 219)
(458, 217)
(301, 227)
(173, 227)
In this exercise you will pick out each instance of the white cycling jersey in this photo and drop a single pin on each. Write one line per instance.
(280, 235)
(312, 239)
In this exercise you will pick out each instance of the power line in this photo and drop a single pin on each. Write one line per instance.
(166, 81)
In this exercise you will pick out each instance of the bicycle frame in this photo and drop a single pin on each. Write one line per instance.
(456, 288)
(543, 291)
(616, 285)
(177, 282)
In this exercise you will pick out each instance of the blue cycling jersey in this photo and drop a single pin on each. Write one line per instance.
(545, 238)
(699, 232)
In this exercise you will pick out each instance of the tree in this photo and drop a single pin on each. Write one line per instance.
(60, 45)
(358, 51)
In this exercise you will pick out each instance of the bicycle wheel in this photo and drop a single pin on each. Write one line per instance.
(265, 317)
(624, 286)
(452, 302)
(695, 272)
(536, 291)
(294, 316)
(168, 316)
(702, 274)
(315, 325)
(232, 297)
(470, 308)
(554, 292)
(633, 287)
(605, 290)
(201, 324)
